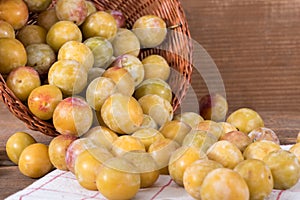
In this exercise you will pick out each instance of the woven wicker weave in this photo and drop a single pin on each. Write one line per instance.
(177, 49)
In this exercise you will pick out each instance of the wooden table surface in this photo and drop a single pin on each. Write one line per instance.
(256, 47)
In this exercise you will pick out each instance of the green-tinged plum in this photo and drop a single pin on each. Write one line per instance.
(99, 90)
(102, 50)
(15, 12)
(38, 5)
(126, 42)
(156, 66)
(190, 118)
(122, 113)
(71, 10)
(175, 130)
(213, 107)
(22, 81)
(75, 50)
(12, 54)
(210, 126)
(62, 32)
(122, 79)
(101, 24)
(133, 65)
(151, 30)
(295, 149)
(40, 57)
(245, 120)
(57, 150)
(69, 76)
(16, 143)
(43, 100)
(101, 136)
(73, 116)
(154, 86)
(226, 153)
(258, 177)
(6, 30)
(94, 73)
(285, 168)
(47, 18)
(157, 107)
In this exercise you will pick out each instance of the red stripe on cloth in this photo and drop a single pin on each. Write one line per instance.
(49, 181)
(279, 194)
(162, 189)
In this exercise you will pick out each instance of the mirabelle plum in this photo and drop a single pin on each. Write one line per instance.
(194, 175)
(32, 34)
(175, 130)
(16, 143)
(133, 65)
(102, 50)
(43, 100)
(154, 86)
(263, 133)
(69, 76)
(74, 50)
(190, 118)
(181, 159)
(118, 174)
(199, 139)
(245, 120)
(6, 30)
(47, 18)
(38, 5)
(210, 126)
(226, 153)
(285, 168)
(223, 183)
(57, 150)
(260, 149)
(101, 136)
(126, 42)
(126, 143)
(101, 24)
(146, 166)
(151, 30)
(122, 113)
(148, 136)
(157, 107)
(258, 177)
(156, 66)
(238, 138)
(34, 161)
(161, 150)
(148, 122)
(72, 116)
(22, 81)
(13, 55)
(71, 10)
(62, 32)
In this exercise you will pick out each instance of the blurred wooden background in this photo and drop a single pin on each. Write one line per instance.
(256, 47)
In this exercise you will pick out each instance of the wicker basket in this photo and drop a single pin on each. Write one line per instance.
(177, 51)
